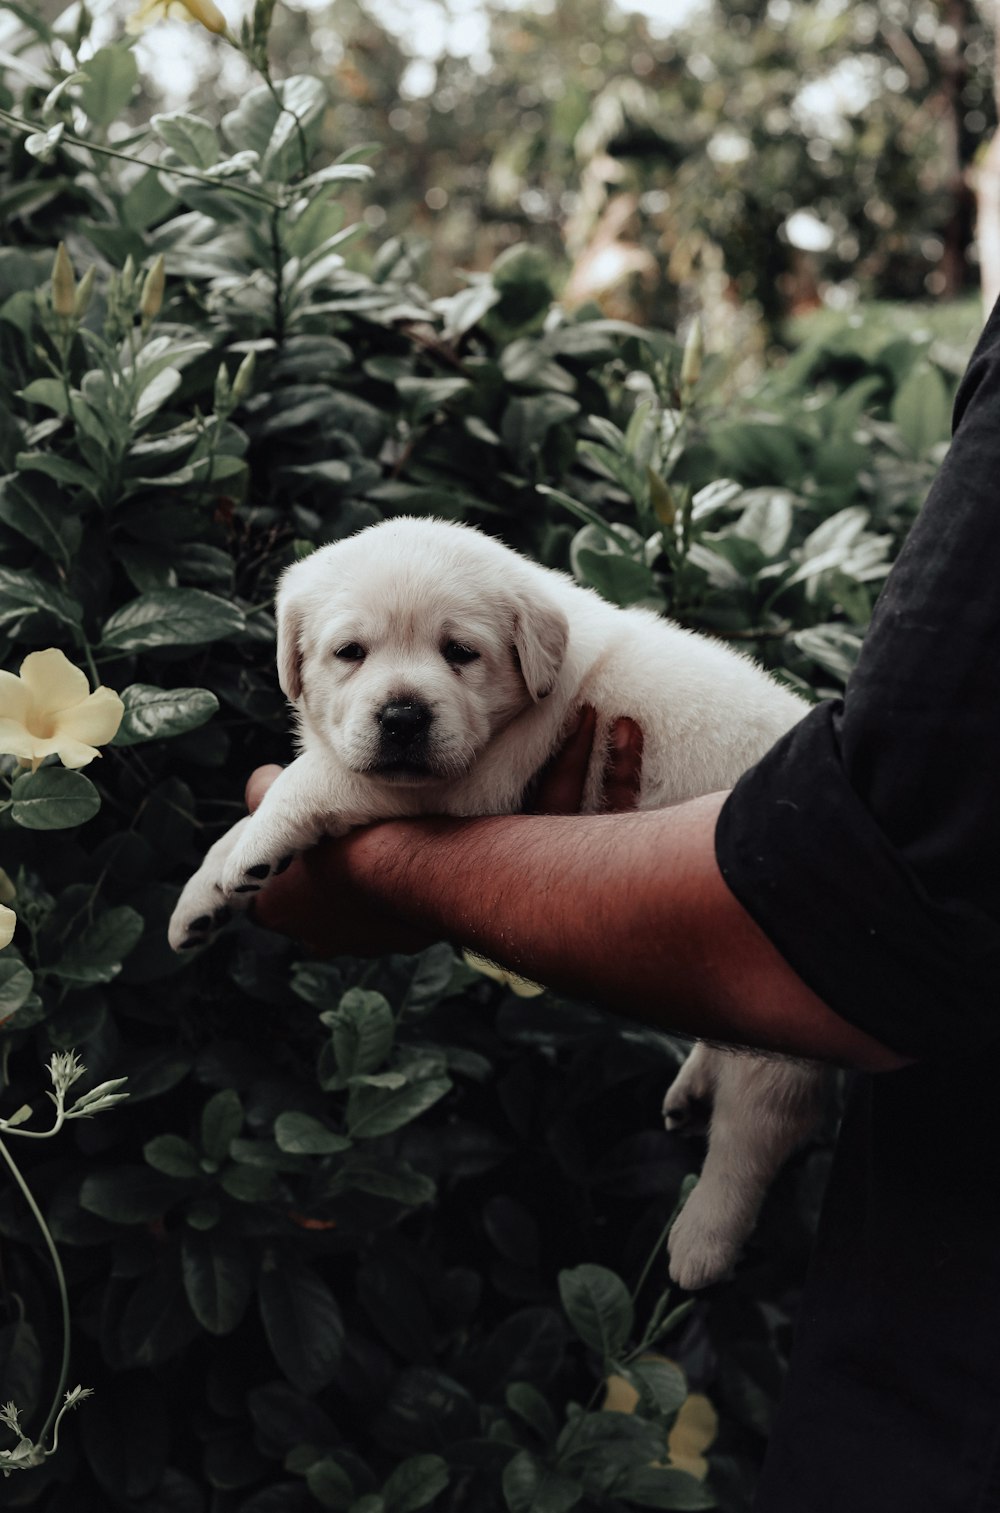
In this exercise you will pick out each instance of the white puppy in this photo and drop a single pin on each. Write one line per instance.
(433, 671)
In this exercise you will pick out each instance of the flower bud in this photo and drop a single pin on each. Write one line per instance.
(63, 283)
(244, 376)
(222, 399)
(83, 293)
(128, 277)
(694, 351)
(208, 13)
(152, 291)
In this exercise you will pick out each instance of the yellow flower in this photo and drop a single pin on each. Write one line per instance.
(694, 1429)
(8, 919)
(519, 985)
(691, 1433)
(50, 710)
(151, 12)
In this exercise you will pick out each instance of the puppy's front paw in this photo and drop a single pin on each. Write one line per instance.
(247, 872)
(702, 1246)
(192, 925)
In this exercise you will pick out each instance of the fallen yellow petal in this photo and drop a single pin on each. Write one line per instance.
(522, 986)
(695, 1428)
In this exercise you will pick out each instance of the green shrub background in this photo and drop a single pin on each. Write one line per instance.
(365, 1235)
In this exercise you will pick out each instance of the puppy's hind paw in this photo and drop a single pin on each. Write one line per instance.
(684, 1113)
(701, 1249)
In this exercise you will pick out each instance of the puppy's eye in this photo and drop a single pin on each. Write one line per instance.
(352, 652)
(457, 654)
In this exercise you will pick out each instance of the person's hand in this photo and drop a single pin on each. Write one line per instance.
(318, 899)
(559, 787)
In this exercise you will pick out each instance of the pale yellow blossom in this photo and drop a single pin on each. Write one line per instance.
(151, 12)
(691, 1433)
(519, 985)
(8, 919)
(49, 710)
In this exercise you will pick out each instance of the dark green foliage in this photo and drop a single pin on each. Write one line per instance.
(365, 1236)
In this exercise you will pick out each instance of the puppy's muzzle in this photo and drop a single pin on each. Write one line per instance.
(403, 724)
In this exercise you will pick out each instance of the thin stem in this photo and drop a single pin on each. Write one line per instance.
(31, 127)
(652, 1257)
(61, 1282)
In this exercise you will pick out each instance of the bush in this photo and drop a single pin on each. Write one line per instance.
(369, 1236)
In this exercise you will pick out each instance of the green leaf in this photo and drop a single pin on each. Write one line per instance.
(173, 1155)
(527, 422)
(221, 1121)
(302, 1135)
(330, 1484)
(363, 1029)
(598, 1306)
(415, 1483)
(249, 1184)
(386, 1177)
(53, 798)
(651, 1487)
(129, 1194)
(661, 1384)
(16, 983)
(96, 951)
(530, 1487)
(302, 1322)
(532, 1409)
(171, 617)
(375, 1111)
(921, 408)
(62, 469)
(44, 522)
(619, 579)
(23, 592)
(190, 137)
(48, 392)
(153, 714)
(112, 75)
(217, 1279)
(425, 395)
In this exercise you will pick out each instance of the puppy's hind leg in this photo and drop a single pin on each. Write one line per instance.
(763, 1108)
(687, 1106)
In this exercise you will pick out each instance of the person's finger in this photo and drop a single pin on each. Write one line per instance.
(623, 768)
(258, 783)
(562, 781)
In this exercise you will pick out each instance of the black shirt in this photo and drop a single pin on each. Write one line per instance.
(867, 846)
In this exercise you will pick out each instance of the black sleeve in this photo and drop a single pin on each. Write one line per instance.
(866, 844)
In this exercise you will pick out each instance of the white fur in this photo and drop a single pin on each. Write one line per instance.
(402, 591)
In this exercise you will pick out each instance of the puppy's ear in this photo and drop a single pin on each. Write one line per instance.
(541, 635)
(289, 621)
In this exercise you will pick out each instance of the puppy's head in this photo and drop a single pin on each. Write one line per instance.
(406, 647)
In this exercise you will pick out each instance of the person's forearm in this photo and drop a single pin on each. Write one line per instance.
(629, 911)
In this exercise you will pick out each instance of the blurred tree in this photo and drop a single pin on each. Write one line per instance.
(762, 157)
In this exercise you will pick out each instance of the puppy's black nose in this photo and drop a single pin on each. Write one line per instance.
(404, 720)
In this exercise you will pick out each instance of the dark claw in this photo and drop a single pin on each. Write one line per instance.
(190, 944)
(261, 870)
(201, 923)
(283, 865)
(247, 888)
